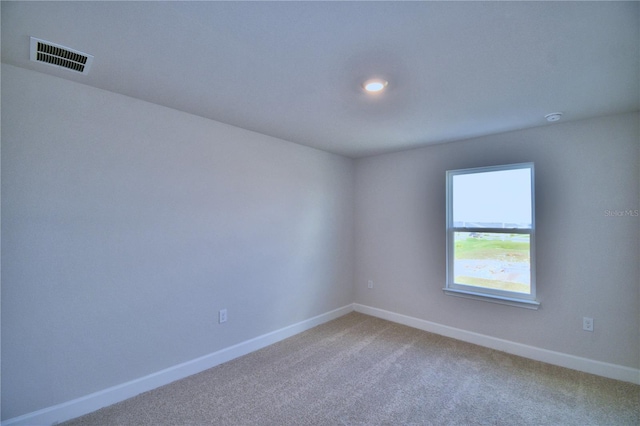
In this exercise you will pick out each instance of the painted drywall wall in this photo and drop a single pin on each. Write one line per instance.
(126, 226)
(587, 255)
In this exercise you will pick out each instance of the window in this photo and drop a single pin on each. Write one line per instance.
(491, 234)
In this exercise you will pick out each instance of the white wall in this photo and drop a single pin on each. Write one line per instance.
(587, 262)
(126, 226)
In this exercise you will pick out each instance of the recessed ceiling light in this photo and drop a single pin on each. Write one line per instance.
(554, 116)
(374, 85)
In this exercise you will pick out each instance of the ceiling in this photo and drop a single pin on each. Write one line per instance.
(294, 70)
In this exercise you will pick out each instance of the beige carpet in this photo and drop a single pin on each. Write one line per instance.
(360, 370)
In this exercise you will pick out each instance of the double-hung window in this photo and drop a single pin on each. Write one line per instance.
(491, 234)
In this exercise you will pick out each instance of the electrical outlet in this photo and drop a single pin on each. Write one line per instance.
(222, 316)
(370, 284)
(587, 324)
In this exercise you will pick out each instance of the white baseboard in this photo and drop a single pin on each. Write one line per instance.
(95, 401)
(573, 362)
(89, 403)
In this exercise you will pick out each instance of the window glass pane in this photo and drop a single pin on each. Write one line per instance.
(492, 260)
(496, 199)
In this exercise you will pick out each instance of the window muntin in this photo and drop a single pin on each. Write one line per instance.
(490, 233)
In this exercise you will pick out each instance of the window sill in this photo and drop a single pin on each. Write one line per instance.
(520, 303)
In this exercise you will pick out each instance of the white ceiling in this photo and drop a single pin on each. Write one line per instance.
(293, 69)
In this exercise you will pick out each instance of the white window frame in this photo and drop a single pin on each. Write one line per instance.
(483, 293)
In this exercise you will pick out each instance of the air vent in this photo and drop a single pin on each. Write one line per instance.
(60, 56)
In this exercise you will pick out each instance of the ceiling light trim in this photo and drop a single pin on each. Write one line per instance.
(375, 85)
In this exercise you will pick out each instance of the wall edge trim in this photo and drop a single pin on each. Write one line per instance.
(94, 401)
(586, 365)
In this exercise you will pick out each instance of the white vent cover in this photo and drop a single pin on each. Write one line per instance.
(60, 56)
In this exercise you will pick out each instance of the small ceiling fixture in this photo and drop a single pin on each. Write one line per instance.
(59, 56)
(375, 85)
(554, 116)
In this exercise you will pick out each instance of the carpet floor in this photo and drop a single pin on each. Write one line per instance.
(361, 370)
